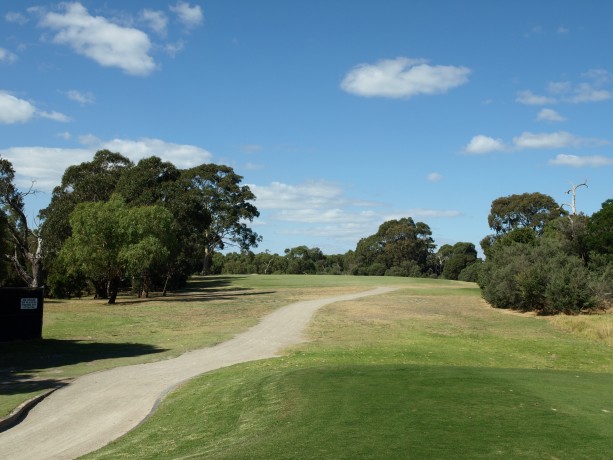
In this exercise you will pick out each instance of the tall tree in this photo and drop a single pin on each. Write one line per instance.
(229, 206)
(91, 181)
(454, 259)
(111, 240)
(26, 245)
(398, 243)
(600, 229)
(529, 210)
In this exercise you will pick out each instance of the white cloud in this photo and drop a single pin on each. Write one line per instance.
(580, 162)
(190, 16)
(584, 92)
(7, 57)
(321, 210)
(549, 115)
(156, 20)
(55, 116)
(403, 78)
(46, 165)
(95, 37)
(483, 144)
(15, 110)
(42, 165)
(181, 155)
(559, 139)
(434, 177)
(284, 196)
(527, 97)
(83, 98)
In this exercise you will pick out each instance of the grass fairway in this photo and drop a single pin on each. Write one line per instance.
(83, 336)
(428, 371)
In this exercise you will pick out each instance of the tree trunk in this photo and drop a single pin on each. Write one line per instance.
(36, 261)
(206, 263)
(100, 289)
(112, 289)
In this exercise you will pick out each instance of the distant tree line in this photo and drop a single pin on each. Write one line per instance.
(399, 248)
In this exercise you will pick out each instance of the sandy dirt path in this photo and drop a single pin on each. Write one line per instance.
(98, 408)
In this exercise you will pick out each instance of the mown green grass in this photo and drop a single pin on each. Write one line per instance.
(84, 335)
(417, 373)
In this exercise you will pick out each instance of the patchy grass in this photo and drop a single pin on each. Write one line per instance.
(402, 375)
(597, 327)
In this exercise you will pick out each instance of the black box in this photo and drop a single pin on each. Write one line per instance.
(21, 313)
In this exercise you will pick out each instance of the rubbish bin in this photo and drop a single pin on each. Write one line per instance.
(21, 313)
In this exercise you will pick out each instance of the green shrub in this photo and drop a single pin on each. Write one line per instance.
(536, 277)
(471, 273)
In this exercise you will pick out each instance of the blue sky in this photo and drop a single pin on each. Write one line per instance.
(339, 115)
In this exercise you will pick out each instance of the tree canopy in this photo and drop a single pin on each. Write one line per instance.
(111, 240)
(209, 208)
(527, 210)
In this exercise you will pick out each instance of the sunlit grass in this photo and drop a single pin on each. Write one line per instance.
(594, 327)
(401, 375)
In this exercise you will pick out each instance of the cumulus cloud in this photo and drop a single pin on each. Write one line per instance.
(7, 57)
(181, 155)
(481, 144)
(403, 78)
(190, 16)
(575, 161)
(15, 110)
(434, 177)
(324, 202)
(308, 195)
(549, 115)
(559, 139)
(95, 37)
(46, 165)
(42, 165)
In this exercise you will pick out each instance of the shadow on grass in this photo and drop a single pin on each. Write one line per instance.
(21, 361)
(199, 289)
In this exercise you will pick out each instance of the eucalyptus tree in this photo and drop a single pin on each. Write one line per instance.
(528, 210)
(229, 206)
(600, 230)
(24, 246)
(110, 241)
(402, 245)
(92, 181)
